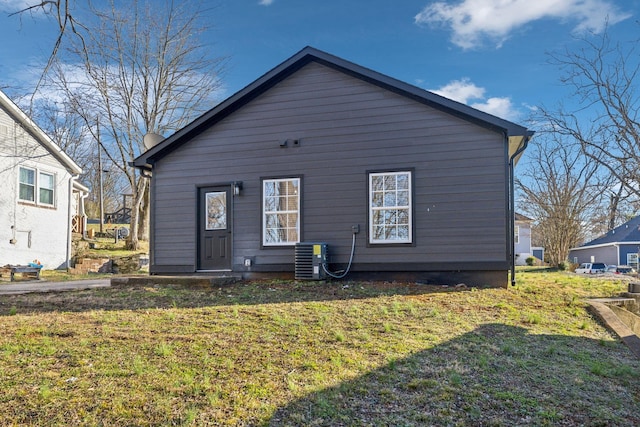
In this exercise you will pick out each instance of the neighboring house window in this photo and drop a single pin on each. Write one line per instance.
(390, 218)
(27, 184)
(516, 237)
(43, 187)
(280, 211)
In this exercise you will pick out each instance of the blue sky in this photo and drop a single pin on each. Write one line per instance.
(490, 54)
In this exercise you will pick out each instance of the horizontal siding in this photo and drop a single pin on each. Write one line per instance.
(605, 254)
(39, 232)
(346, 127)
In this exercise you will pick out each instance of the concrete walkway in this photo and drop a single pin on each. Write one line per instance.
(27, 286)
(12, 288)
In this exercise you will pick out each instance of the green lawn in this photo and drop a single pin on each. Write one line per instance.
(317, 354)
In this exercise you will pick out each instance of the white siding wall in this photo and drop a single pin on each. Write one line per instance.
(523, 247)
(39, 232)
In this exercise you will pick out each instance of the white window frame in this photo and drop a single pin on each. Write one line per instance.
(291, 231)
(408, 207)
(38, 186)
(41, 187)
(516, 234)
(33, 185)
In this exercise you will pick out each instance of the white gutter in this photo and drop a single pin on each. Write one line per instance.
(602, 245)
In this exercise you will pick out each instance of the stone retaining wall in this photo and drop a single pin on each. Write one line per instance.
(115, 265)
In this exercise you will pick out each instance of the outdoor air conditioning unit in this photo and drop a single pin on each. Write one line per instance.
(311, 259)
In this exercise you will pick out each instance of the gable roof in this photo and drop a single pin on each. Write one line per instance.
(520, 217)
(629, 232)
(29, 125)
(518, 135)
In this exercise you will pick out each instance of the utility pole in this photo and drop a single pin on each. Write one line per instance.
(100, 181)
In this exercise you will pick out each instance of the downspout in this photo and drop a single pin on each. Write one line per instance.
(148, 174)
(69, 220)
(512, 202)
(82, 214)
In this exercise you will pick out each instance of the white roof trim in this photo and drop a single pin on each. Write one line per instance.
(602, 245)
(39, 134)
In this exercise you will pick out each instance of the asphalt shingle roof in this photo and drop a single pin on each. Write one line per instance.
(627, 232)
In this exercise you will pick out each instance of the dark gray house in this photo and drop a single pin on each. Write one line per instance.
(322, 150)
(619, 246)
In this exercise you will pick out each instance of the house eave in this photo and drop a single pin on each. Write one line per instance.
(516, 142)
(602, 245)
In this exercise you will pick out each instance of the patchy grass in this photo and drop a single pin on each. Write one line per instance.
(108, 247)
(105, 246)
(64, 275)
(276, 353)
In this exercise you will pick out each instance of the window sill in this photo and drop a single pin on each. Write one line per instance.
(35, 205)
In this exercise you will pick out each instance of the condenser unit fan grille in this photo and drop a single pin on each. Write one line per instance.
(309, 261)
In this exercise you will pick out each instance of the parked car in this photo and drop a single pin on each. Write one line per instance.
(620, 269)
(591, 268)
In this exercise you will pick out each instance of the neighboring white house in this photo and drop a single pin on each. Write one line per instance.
(522, 239)
(41, 202)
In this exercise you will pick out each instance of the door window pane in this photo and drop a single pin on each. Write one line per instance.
(216, 210)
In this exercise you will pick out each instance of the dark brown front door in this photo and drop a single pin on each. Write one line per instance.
(214, 246)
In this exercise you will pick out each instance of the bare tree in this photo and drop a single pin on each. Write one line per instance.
(603, 75)
(560, 189)
(135, 71)
(63, 12)
(65, 128)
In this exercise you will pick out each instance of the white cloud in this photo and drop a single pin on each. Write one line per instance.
(476, 21)
(461, 91)
(265, 2)
(465, 91)
(500, 107)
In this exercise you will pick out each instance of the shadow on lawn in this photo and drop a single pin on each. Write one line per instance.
(495, 375)
(178, 296)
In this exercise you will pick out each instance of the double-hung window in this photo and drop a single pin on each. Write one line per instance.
(36, 187)
(45, 189)
(390, 209)
(27, 190)
(280, 211)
